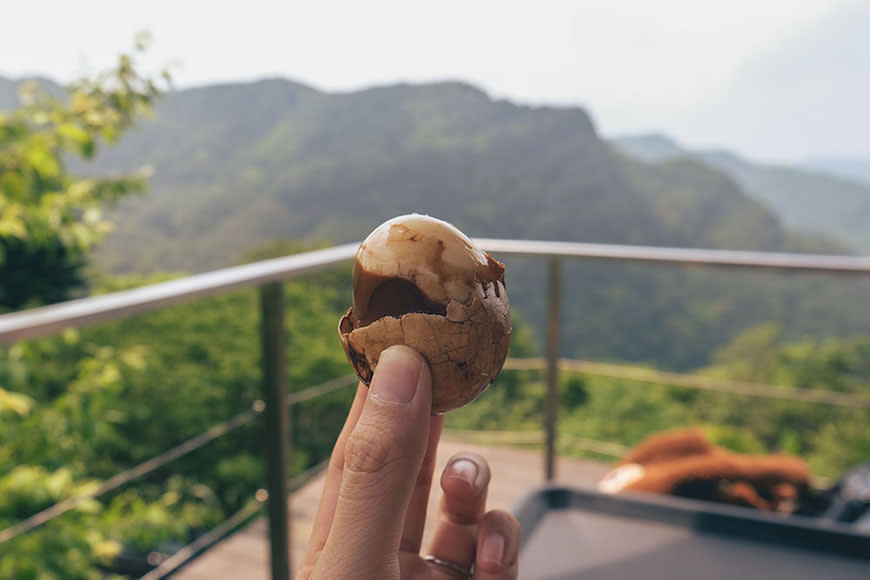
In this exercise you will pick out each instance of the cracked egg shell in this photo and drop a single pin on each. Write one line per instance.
(421, 282)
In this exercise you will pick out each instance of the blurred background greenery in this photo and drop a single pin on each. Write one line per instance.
(250, 171)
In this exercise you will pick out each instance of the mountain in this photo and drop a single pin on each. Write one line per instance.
(809, 200)
(711, 210)
(239, 165)
(8, 93)
(9, 90)
(294, 162)
(649, 147)
(852, 168)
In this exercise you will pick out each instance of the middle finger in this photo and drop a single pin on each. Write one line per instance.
(415, 518)
(465, 481)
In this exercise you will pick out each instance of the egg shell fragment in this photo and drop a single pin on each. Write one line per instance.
(420, 282)
(465, 349)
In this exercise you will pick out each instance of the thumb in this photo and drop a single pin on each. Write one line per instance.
(382, 458)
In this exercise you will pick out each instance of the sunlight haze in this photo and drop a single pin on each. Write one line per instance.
(711, 74)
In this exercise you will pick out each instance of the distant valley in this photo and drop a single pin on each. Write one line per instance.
(851, 168)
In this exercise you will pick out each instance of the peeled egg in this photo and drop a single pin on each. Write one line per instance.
(421, 282)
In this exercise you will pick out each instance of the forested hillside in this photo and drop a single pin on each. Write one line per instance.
(239, 165)
(8, 93)
(236, 166)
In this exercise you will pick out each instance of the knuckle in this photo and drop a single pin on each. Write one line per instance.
(368, 451)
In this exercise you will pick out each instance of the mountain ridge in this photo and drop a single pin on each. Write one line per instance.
(851, 168)
(241, 165)
(805, 198)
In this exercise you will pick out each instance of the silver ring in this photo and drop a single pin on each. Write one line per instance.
(452, 566)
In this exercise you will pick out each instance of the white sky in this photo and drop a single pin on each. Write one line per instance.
(687, 68)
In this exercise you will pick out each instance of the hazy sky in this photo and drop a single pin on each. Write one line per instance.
(773, 79)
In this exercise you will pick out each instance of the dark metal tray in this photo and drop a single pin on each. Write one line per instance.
(586, 535)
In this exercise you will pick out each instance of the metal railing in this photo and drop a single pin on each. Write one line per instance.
(268, 276)
(696, 382)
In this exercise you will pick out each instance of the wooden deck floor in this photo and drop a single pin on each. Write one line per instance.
(514, 472)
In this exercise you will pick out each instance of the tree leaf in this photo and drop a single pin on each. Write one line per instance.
(15, 402)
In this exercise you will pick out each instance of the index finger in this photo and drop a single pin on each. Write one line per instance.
(415, 519)
(383, 457)
(329, 497)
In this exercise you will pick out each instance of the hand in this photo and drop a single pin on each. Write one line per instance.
(373, 508)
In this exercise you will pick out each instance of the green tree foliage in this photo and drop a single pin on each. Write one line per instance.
(77, 408)
(56, 419)
(171, 374)
(92, 411)
(831, 438)
(49, 219)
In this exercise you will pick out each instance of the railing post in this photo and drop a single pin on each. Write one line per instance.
(551, 412)
(277, 429)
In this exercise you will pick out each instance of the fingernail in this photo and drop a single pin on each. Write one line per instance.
(464, 469)
(492, 550)
(397, 375)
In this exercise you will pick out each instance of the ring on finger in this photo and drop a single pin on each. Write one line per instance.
(466, 573)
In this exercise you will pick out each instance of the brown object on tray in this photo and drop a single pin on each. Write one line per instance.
(685, 463)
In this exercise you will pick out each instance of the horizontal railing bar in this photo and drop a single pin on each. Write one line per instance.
(183, 556)
(698, 382)
(521, 436)
(587, 367)
(608, 448)
(168, 456)
(204, 542)
(49, 320)
(129, 475)
(740, 259)
(321, 389)
(535, 437)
